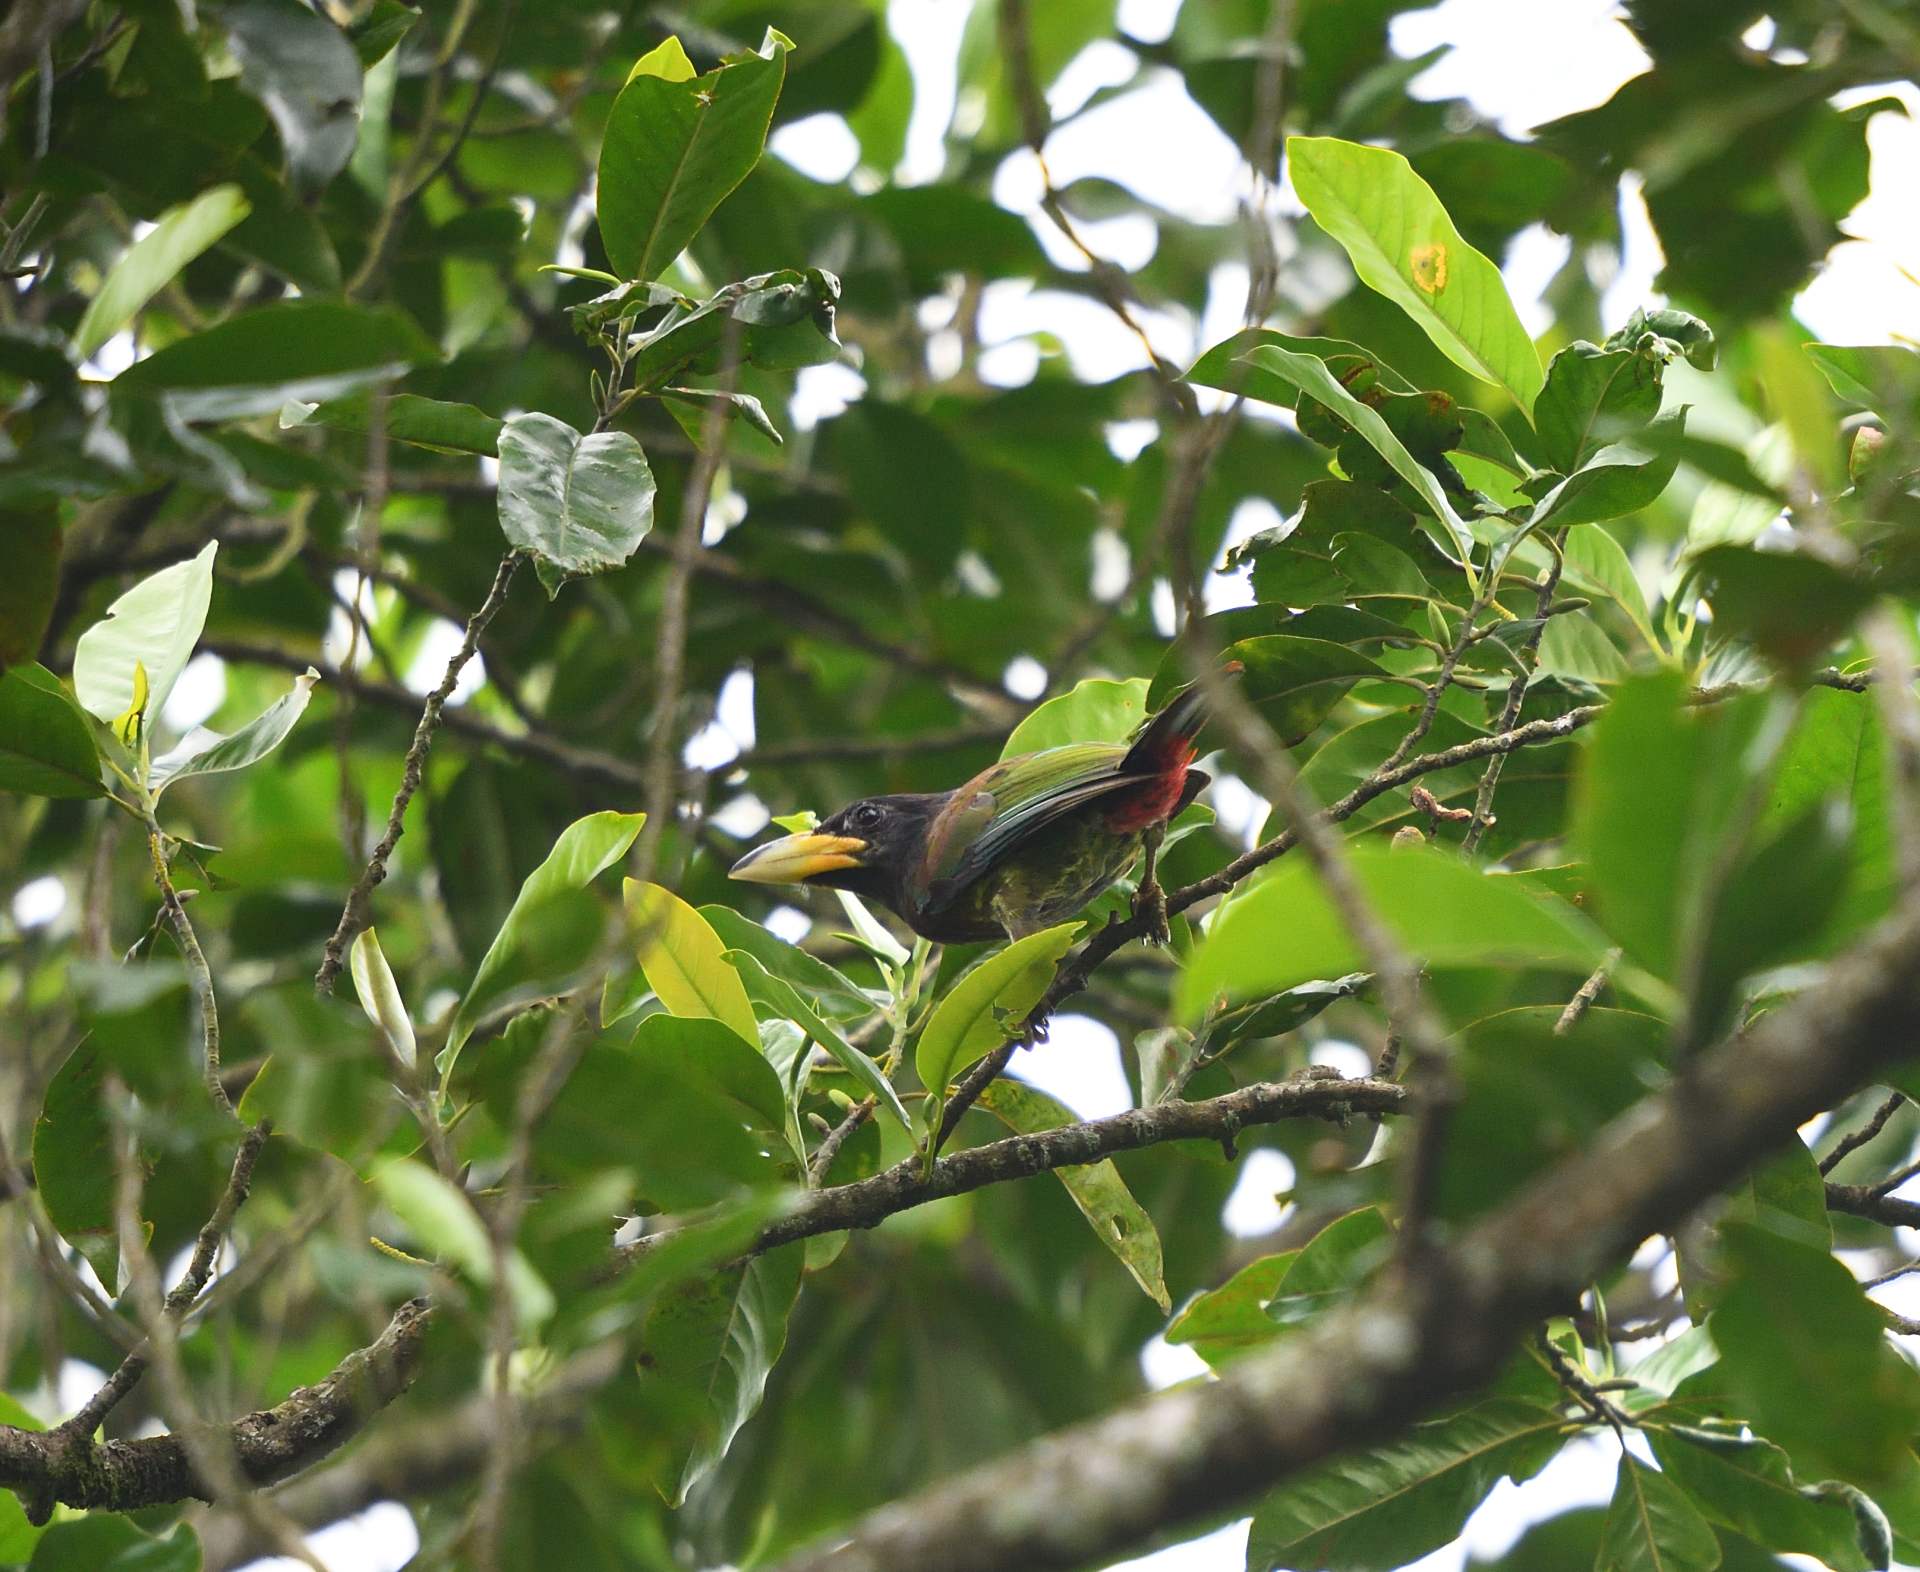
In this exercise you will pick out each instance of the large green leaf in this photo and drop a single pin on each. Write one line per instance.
(1117, 1219)
(1375, 1509)
(203, 752)
(1592, 396)
(441, 1220)
(578, 504)
(1882, 377)
(1653, 1527)
(517, 964)
(830, 991)
(1794, 1321)
(1403, 244)
(425, 422)
(45, 747)
(1445, 911)
(109, 1542)
(254, 362)
(684, 961)
(156, 625)
(1615, 480)
(29, 575)
(1747, 1484)
(676, 145)
(1095, 709)
(304, 70)
(1330, 1266)
(1226, 1322)
(704, 1353)
(786, 1003)
(1293, 682)
(703, 1112)
(73, 1160)
(1311, 376)
(152, 261)
(986, 1006)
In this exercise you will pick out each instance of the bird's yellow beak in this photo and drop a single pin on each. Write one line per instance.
(793, 859)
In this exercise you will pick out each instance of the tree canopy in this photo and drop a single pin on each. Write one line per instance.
(414, 464)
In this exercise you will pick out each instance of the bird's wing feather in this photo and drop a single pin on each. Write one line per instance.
(1012, 801)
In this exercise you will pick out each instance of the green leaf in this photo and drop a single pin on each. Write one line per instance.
(1621, 478)
(1117, 1219)
(1749, 1487)
(1884, 378)
(706, 1350)
(1792, 606)
(1652, 1526)
(425, 422)
(1446, 912)
(379, 31)
(379, 995)
(203, 752)
(253, 363)
(1294, 683)
(1794, 1321)
(1096, 709)
(703, 1113)
(1228, 1321)
(29, 580)
(152, 261)
(1284, 1012)
(1228, 366)
(785, 1001)
(1530, 1098)
(1375, 1509)
(668, 61)
(786, 321)
(1403, 244)
(46, 749)
(870, 933)
(108, 1542)
(1652, 802)
(1311, 376)
(304, 70)
(829, 989)
(155, 624)
(1595, 561)
(441, 1219)
(512, 965)
(1331, 1265)
(987, 1004)
(73, 1161)
(1591, 396)
(675, 148)
(684, 961)
(578, 504)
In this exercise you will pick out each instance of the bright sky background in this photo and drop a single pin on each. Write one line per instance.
(1519, 61)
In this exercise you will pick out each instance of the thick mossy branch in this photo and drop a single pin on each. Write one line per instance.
(52, 1468)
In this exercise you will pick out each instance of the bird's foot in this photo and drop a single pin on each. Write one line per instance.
(1150, 901)
(1151, 905)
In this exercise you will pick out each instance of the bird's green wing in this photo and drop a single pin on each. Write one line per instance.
(1011, 801)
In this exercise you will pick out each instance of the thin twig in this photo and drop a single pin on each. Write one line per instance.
(1848, 1144)
(1584, 996)
(206, 1248)
(1516, 696)
(199, 974)
(355, 915)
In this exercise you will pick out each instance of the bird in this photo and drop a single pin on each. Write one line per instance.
(1025, 844)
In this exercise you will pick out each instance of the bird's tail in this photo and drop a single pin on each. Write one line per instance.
(1166, 740)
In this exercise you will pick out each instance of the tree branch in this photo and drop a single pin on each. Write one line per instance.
(868, 1202)
(47, 1468)
(1431, 1332)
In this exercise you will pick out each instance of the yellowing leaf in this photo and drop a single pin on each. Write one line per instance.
(685, 961)
(668, 61)
(1120, 1222)
(1404, 245)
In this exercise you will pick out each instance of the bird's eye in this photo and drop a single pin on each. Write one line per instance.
(865, 816)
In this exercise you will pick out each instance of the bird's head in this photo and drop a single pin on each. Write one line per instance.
(871, 847)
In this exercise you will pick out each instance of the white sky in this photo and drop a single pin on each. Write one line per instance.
(1519, 61)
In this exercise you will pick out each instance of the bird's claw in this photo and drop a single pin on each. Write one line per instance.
(1151, 905)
